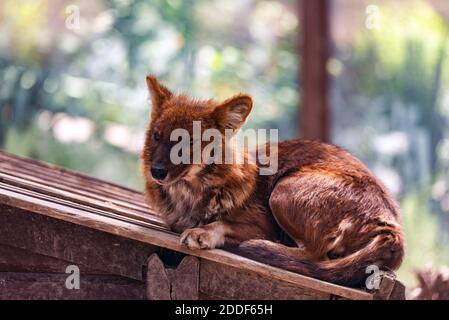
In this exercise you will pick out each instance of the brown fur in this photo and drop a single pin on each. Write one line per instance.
(338, 214)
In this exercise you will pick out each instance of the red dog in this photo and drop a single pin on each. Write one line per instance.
(338, 214)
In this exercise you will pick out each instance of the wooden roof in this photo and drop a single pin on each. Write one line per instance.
(76, 198)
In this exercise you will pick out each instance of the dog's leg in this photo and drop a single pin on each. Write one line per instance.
(206, 237)
(221, 233)
(292, 212)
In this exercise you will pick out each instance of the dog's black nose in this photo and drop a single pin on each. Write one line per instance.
(159, 173)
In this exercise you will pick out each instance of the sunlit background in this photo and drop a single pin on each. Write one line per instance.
(72, 91)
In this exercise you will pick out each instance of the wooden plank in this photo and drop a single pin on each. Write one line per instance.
(79, 179)
(45, 286)
(184, 279)
(24, 178)
(398, 292)
(74, 243)
(386, 286)
(170, 241)
(14, 259)
(314, 112)
(43, 179)
(9, 164)
(78, 206)
(33, 175)
(93, 202)
(12, 165)
(158, 283)
(168, 283)
(223, 282)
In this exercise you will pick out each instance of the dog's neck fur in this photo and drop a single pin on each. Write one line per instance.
(207, 193)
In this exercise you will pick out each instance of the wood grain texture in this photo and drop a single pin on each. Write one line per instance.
(398, 292)
(13, 259)
(386, 287)
(185, 279)
(158, 284)
(73, 243)
(168, 283)
(51, 286)
(67, 177)
(221, 282)
(61, 186)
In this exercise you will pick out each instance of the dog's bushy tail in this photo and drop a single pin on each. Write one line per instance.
(383, 251)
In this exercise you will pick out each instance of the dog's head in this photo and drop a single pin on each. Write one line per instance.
(173, 144)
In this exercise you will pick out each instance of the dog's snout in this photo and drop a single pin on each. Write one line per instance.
(159, 173)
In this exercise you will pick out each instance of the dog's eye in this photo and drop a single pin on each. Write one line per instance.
(156, 136)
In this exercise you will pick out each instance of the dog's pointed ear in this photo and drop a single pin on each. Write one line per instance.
(159, 94)
(232, 113)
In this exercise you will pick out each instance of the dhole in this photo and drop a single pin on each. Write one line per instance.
(322, 214)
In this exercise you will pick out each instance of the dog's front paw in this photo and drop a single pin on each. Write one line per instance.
(198, 238)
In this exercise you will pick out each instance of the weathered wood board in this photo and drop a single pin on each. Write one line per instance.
(69, 242)
(246, 285)
(46, 286)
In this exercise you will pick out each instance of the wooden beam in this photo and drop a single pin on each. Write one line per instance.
(13, 259)
(72, 243)
(76, 189)
(45, 286)
(168, 283)
(218, 282)
(314, 112)
(158, 283)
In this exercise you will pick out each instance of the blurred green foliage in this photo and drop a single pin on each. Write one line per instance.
(97, 71)
(390, 103)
